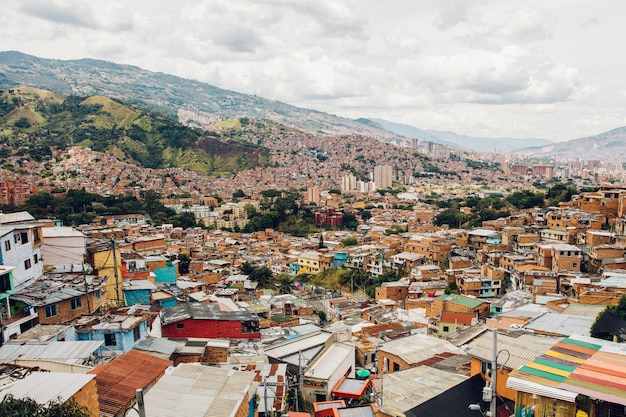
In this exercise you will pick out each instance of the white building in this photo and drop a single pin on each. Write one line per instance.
(62, 246)
(20, 247)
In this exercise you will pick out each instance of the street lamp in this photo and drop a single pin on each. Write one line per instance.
(477, 407)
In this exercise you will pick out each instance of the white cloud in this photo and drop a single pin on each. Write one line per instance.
(489, 67)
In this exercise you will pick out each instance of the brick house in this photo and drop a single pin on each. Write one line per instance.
(208, 321)
(461, 304)
(59, 298)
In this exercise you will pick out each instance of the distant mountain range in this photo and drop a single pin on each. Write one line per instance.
(607, 146)
(205, 103)
(166, 93)
(504, 145)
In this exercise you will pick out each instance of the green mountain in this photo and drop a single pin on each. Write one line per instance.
(34, 121)
(167, 93)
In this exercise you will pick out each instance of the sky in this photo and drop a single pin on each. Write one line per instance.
(493, 68)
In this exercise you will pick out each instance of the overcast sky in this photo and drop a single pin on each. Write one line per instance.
(553, 69)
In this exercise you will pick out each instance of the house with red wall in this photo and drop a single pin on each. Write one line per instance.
(208, 321)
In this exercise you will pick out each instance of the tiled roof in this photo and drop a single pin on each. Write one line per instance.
(118, 380)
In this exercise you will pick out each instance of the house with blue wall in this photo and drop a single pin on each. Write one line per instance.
(339, 259)
(119, 332)
(138, 291)
(167, 274)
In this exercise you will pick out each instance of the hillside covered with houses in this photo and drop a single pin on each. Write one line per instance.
(392, 317)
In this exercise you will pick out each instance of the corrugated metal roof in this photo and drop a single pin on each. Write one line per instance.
(325, 365)
(119, 379)
(157, 344)
(520, 349)
(406, 389)
(199, 311)
(298, 344)
(419, 347)
(194, 390)
(562, 324)
(462, 300)
(52, 288)
(68, 352)
(44, 387)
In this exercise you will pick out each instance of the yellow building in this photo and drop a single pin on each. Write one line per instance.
(108, 262)
(309, 262)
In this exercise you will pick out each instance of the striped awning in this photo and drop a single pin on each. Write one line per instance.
(573, 366)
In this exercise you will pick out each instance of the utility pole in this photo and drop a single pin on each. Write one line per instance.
(117, 278)
(494, 373)
(86, 289)
(299, 389)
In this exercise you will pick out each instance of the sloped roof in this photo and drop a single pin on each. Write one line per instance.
(195, 390)
(199, 311)
(454, 317)
(44, 387)
(68, 352)
(576, 365)
(419, 347)
(404, 390)
(119, 379)
(520, 349)
(462, 300)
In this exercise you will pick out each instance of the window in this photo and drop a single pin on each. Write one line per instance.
(446, 328)
(27, 264)
(109, 340)
(97, 294)
(180, 325)
(51, 310)
(36, 236)
(76, 303)
(136, 333)
(35, 259)
(7, 245)
(5, 283)
(24, 236)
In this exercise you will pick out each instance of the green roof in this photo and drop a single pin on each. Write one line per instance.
(461, 299)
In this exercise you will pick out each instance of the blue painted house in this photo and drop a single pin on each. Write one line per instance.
(118, 332)
(138, 291)
(167, 274)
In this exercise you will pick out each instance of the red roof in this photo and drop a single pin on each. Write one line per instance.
(460, 318)
(118, 380)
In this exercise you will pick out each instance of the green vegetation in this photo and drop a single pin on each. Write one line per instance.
(349, 241)
(80, 207)
(36, 121)
(13, 407)
(619, 314)
(526, 199)
(482, 209)
(260, 274)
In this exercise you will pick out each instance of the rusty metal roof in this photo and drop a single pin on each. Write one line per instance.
(119, 379)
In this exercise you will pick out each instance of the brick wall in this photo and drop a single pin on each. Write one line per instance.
(88, 397)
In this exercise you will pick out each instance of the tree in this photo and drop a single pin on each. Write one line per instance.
(349, 221)
(262, 275)
(349, 241)
(451, 217)
(14, 407)
(184, 262)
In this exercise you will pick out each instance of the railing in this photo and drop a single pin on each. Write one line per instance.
(17, 316)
